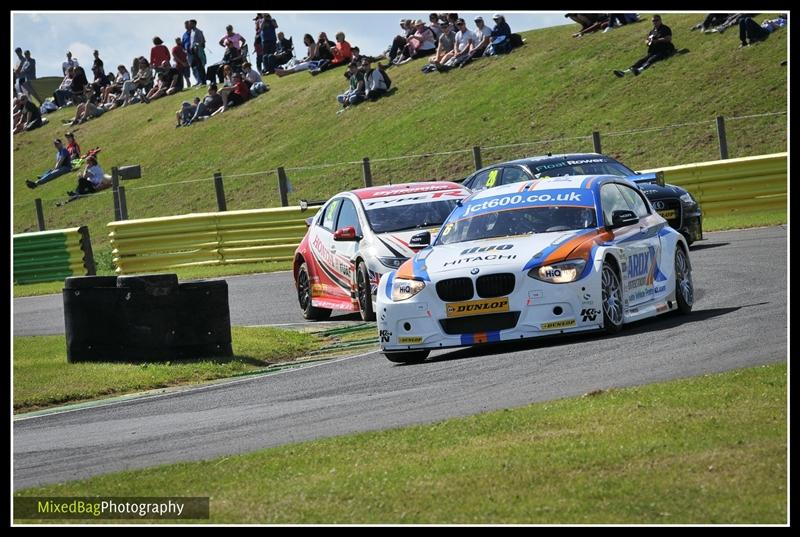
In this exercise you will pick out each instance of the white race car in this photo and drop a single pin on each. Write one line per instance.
(550, 256)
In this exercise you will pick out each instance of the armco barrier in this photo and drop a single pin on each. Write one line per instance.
(733, 186)
(221, 238)
(47, 256)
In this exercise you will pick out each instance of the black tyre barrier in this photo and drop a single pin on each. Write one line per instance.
(145, 318)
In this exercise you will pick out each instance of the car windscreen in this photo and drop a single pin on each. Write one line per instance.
(394, 217)
(580, 167)
(522, 213)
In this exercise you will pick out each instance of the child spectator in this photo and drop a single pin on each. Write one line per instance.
(63, 165)
(659, 47)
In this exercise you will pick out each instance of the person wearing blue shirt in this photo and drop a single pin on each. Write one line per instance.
(63, 165)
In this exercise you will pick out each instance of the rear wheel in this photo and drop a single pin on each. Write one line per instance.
(612, 299)
(304, 297)
(364, 290)
(684, 289)
(410, 357)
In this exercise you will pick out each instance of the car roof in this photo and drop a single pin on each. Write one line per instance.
(547, 159)
(404, 189)
(569, 182)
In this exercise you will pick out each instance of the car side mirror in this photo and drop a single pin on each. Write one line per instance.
(622, 219)
(309, 221)
(420, 240)
(346, 234)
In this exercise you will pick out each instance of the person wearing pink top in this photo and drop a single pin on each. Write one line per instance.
(233, 37)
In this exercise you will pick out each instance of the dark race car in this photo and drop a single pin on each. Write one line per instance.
(674, 203)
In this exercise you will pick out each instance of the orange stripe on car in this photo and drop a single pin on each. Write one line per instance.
(406, 270)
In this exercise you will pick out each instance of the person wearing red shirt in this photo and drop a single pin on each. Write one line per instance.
(234, 95)
(181, 61)
(159, 53)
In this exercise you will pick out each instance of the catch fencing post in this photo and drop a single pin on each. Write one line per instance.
(723, 140)
(367, 173)
(123, 204)
(219, 187)
(283, 187)
(39, 213)
(596, 142)
(476, 157)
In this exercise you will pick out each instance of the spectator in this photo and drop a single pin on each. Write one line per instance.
(63, 165)
(466, 41)
(116, 87)
(356, 93)
(269, 41)
(282, 55)
(750, 29)
(27, 74)
(712, 20)
(435, 26)
(64, 94)
(400, 41)
(659, 47)
(232, 37)
(89, 108)
(158, 54)
(92, 179)
(444, 51)
(197, 47)
(79, 83)
(586, 20)
(181, 61)
(97, 61)
(234, 95)
(100, 81)
(500, 37)
(253, 79)
(174, 78)
(73, 148)
(140, 84)
(306, 63)
(375, 80)
(483, 37)
(342, 53)
(30, 117)
(602, 22)
(71, 62)
(210, 104)
(732, 20)
(186, 113)
(421, 43)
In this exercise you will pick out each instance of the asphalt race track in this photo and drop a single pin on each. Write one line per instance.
(739, 320)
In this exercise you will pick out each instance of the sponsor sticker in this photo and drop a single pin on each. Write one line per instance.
(490, 182)
(409, 340)
(555, 325)
(477, 307)
(385, 336)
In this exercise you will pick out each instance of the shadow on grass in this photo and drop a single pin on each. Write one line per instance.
(652, 324)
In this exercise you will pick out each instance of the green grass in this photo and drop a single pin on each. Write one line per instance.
(42, 376)
(705, 450)
(553, 87)
(184, 273)
(741, 221)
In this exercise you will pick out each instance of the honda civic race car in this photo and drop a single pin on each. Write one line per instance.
(543, 257)
(359, 235)
(674, 203)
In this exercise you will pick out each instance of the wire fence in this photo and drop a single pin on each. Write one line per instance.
(695, 141)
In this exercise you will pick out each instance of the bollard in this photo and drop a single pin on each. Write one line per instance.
(476, 157)
(283, 187)
(219, 187)
(596, 142)
(723, 141)
(367, 172)
(39, 213)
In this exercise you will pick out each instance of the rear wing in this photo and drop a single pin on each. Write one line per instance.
(653, 178)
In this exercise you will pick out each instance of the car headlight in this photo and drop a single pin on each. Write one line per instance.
(687, 199)
(405, 289)
(565, 272)
(392, 262)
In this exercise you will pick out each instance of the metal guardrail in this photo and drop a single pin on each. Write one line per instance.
(47, 256)
(734, 186)
(220, 238)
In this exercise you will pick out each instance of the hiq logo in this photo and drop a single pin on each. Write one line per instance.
(638, 265)
(553, 273)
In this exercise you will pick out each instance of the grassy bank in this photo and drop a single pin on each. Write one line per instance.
(705, 450)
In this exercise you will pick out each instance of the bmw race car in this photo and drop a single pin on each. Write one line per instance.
(359, 235)
(537, 258)
(674, 203)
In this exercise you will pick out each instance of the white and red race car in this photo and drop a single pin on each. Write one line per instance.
(536, 258)
(359, 235)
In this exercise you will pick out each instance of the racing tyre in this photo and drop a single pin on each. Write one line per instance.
(684, 289)
(410, 357)
(364, 290)
(304, 297)
(612, 299)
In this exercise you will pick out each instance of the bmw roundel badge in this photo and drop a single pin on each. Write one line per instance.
(474, 271)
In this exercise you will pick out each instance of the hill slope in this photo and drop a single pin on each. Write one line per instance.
(553, 87)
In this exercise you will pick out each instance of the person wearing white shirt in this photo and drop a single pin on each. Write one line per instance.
(466, 41)
(71, 62)
(483, 36)
(253, 78)
(91, 179)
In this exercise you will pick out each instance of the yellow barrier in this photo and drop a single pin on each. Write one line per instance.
(733, 186)
(53, 255)
(153, 244)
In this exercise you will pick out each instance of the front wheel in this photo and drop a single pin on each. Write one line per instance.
(410, 357)
(364, 290)
(684, 289)
(304, 297)
(612, 300)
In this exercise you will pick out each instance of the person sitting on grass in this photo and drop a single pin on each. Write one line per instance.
(421, 43)
(184, 116)
(63, 165)
(116, 87)
(64, 94)
(659, 47)
(375, 80)
(356, 93)
(30, 117)
(750, 29)
(342, 54)
(281, 56)
(92, 179)
(210, 104)
(73, 148)
(444, 51)
(159, 90)
(174, 78)
(253, 79)
(306, 63)
(88, 109)
(233, 95)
